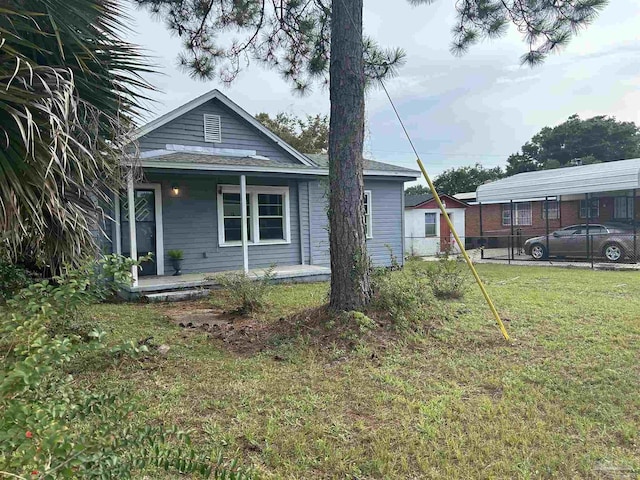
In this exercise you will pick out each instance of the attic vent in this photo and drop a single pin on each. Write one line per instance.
(212, 128)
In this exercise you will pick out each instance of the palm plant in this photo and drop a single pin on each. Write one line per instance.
(70, 89)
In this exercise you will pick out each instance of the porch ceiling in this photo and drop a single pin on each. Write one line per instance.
(600, 177)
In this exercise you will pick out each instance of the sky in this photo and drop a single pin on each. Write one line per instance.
(477, 108)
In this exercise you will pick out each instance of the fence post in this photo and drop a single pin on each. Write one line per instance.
(546, 216)
(589, 253)
(511, 236)
(481, 233)
(635, 227)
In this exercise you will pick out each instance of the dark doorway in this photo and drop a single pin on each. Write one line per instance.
(145, 227)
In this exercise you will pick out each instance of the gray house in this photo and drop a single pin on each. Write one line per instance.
(209, 167)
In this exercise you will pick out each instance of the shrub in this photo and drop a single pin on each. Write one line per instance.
(248, 294)
(448, 277)
(12, 279)
(52, 426)
(175, 254)
(404, 295)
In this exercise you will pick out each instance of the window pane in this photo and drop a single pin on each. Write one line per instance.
(270, 204)
(231, 204)
(232, 231)
(271, 229)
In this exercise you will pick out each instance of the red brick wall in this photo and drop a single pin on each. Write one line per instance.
(569, 215)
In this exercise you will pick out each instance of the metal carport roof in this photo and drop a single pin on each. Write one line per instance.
(599, 177)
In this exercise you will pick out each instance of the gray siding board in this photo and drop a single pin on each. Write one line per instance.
(387, 222)
(188, 129)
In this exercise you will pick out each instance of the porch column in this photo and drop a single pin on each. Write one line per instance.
(132, 227)
(243, 219)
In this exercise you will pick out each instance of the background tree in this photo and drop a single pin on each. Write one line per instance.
(577, 141)
(417, 190)
(305, 39)
(68, 91)
(465, 179)
(307, 135)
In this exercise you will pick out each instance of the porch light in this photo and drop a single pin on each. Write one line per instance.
(175, 190)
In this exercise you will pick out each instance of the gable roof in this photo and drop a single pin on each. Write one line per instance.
(599, 177)
(218, 95)
(413, 201)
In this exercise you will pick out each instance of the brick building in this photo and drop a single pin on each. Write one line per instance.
(611, 189)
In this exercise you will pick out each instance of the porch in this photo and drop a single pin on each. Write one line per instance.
(206, 281)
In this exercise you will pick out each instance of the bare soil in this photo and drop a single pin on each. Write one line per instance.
(246, 334)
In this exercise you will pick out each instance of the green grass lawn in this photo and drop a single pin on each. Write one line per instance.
(561, 401)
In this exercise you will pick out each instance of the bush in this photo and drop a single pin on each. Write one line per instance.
(247, 293)
(404, 295)
(12, 279)
(52, 426)
(448, 277)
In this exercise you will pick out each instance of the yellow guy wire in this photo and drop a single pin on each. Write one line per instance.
(464, 251)
(453, 230)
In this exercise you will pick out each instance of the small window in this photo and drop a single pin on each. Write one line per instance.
(212, 128)
(430, 224)
(271, 216)
(368, 222)
(594, 211)
(623, 208)
(232, 217)
(521, 213)
(553, 208)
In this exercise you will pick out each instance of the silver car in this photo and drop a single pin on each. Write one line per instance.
(612, 242)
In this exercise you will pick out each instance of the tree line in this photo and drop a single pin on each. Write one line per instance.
(573, 142)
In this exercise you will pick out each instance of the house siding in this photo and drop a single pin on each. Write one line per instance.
(386, 199)
(188, 129)
(190, 224)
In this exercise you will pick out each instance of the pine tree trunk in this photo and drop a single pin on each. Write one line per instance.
(350, 286)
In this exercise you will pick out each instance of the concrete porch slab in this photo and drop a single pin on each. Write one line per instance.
(287, 273)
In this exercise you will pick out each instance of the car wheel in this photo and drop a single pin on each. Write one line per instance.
(613, 252)
(538, 252)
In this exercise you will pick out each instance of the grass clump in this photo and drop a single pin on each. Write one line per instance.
(247, 294)
(448, 277)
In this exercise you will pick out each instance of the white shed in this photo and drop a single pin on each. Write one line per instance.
(426, 232)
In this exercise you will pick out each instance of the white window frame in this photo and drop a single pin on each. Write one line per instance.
(628, 208)
(368, 216)
(212, 135)
(517, 221)
(435, 224)
(595, 204)
(253, 191)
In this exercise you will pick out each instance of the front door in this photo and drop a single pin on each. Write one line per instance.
(145, 227)
(445, 234)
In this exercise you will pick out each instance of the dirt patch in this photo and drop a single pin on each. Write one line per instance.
(244, 334)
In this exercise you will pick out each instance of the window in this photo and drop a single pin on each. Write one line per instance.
(623, 208)
(232, 214)
(267, 215)
(595, 208)
(271, 216)
(212, 128)
(430, 224)
(368, 221)
(521, 213)
(553, 207)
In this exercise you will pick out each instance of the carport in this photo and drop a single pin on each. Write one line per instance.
(602, 199)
